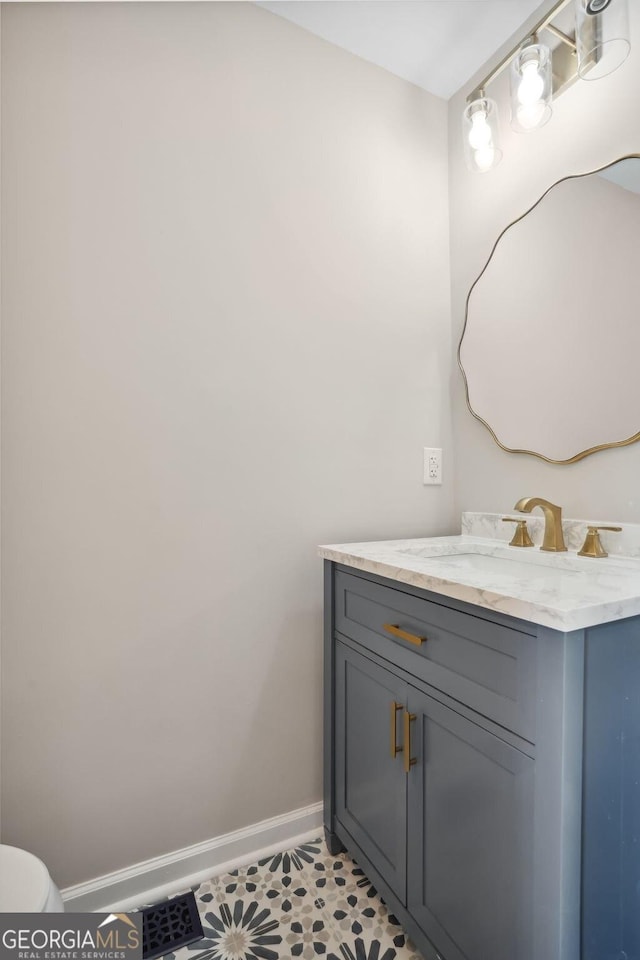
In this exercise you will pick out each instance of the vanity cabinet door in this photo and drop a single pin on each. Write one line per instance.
(470, 829)
(370, 783)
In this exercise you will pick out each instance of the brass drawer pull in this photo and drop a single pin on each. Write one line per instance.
(409, 761)
(403, 634)
(395, 749)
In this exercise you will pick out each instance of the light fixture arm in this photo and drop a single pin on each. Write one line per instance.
(564, 37)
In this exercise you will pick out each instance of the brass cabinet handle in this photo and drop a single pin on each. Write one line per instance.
(395, 749)
(409, 761)
(403, 634)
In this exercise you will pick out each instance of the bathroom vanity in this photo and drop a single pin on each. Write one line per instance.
(482, 744)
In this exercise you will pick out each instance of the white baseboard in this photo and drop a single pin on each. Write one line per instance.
(152, 880)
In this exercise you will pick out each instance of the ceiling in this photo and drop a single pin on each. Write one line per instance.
(436, 44)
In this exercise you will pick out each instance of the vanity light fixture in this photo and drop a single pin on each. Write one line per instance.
(599, 46)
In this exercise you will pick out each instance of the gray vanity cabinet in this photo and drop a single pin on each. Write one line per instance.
(513, 834)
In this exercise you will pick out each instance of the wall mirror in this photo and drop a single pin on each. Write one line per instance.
(551, 343)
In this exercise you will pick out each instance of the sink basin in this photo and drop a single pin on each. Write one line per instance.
(491, 558)
(503, 566)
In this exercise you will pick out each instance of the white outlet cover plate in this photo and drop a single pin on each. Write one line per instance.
(432, 466)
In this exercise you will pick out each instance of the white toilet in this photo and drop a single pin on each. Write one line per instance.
(25, 884)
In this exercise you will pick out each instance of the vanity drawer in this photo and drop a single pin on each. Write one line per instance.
(487, 666)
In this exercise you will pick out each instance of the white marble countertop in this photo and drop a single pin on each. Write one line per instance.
(557, 590)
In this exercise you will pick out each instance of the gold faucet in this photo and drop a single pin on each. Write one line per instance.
(553, 539)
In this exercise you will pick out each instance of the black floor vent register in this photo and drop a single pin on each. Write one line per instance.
(168, 925)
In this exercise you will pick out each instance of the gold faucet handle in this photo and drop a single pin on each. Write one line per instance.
(592, 546)
(521, 536)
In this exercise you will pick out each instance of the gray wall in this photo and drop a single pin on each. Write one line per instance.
(593, 124)
(226, 339)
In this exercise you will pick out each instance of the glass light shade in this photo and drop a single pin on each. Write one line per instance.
(602, 36)
(531, 88)
(481, 136)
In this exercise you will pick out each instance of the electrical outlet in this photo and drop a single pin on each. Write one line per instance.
(432, 465)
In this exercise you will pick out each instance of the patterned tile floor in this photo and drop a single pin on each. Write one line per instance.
(301, 903)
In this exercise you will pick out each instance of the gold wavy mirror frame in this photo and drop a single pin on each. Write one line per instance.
(550, 347)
